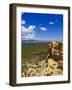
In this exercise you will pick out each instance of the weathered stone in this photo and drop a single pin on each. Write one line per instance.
(57, 72)
(55, 50)
(53, 63)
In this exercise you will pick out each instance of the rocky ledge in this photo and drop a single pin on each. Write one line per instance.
(48, 67)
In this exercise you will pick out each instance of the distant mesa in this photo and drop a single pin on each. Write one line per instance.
(38, 41)
(33, 41)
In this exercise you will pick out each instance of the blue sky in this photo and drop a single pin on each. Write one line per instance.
(39, 26)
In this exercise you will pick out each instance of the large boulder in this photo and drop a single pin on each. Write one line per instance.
(55, 50)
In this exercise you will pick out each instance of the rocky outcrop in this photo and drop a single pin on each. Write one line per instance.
(42, 68)
(55, 50)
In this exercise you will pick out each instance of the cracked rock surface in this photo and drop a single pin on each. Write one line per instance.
(48, 67)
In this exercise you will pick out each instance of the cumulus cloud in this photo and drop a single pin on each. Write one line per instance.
(23, 22)
(51, 22)
(31, 27)
(29, 36)
(43, 28)
(28, 33)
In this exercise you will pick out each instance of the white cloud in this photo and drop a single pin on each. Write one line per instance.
(30, 36)
(51, 22)
(32, 27)
(23, 22)
(43, 28)
(28, 33)
(24, 29)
